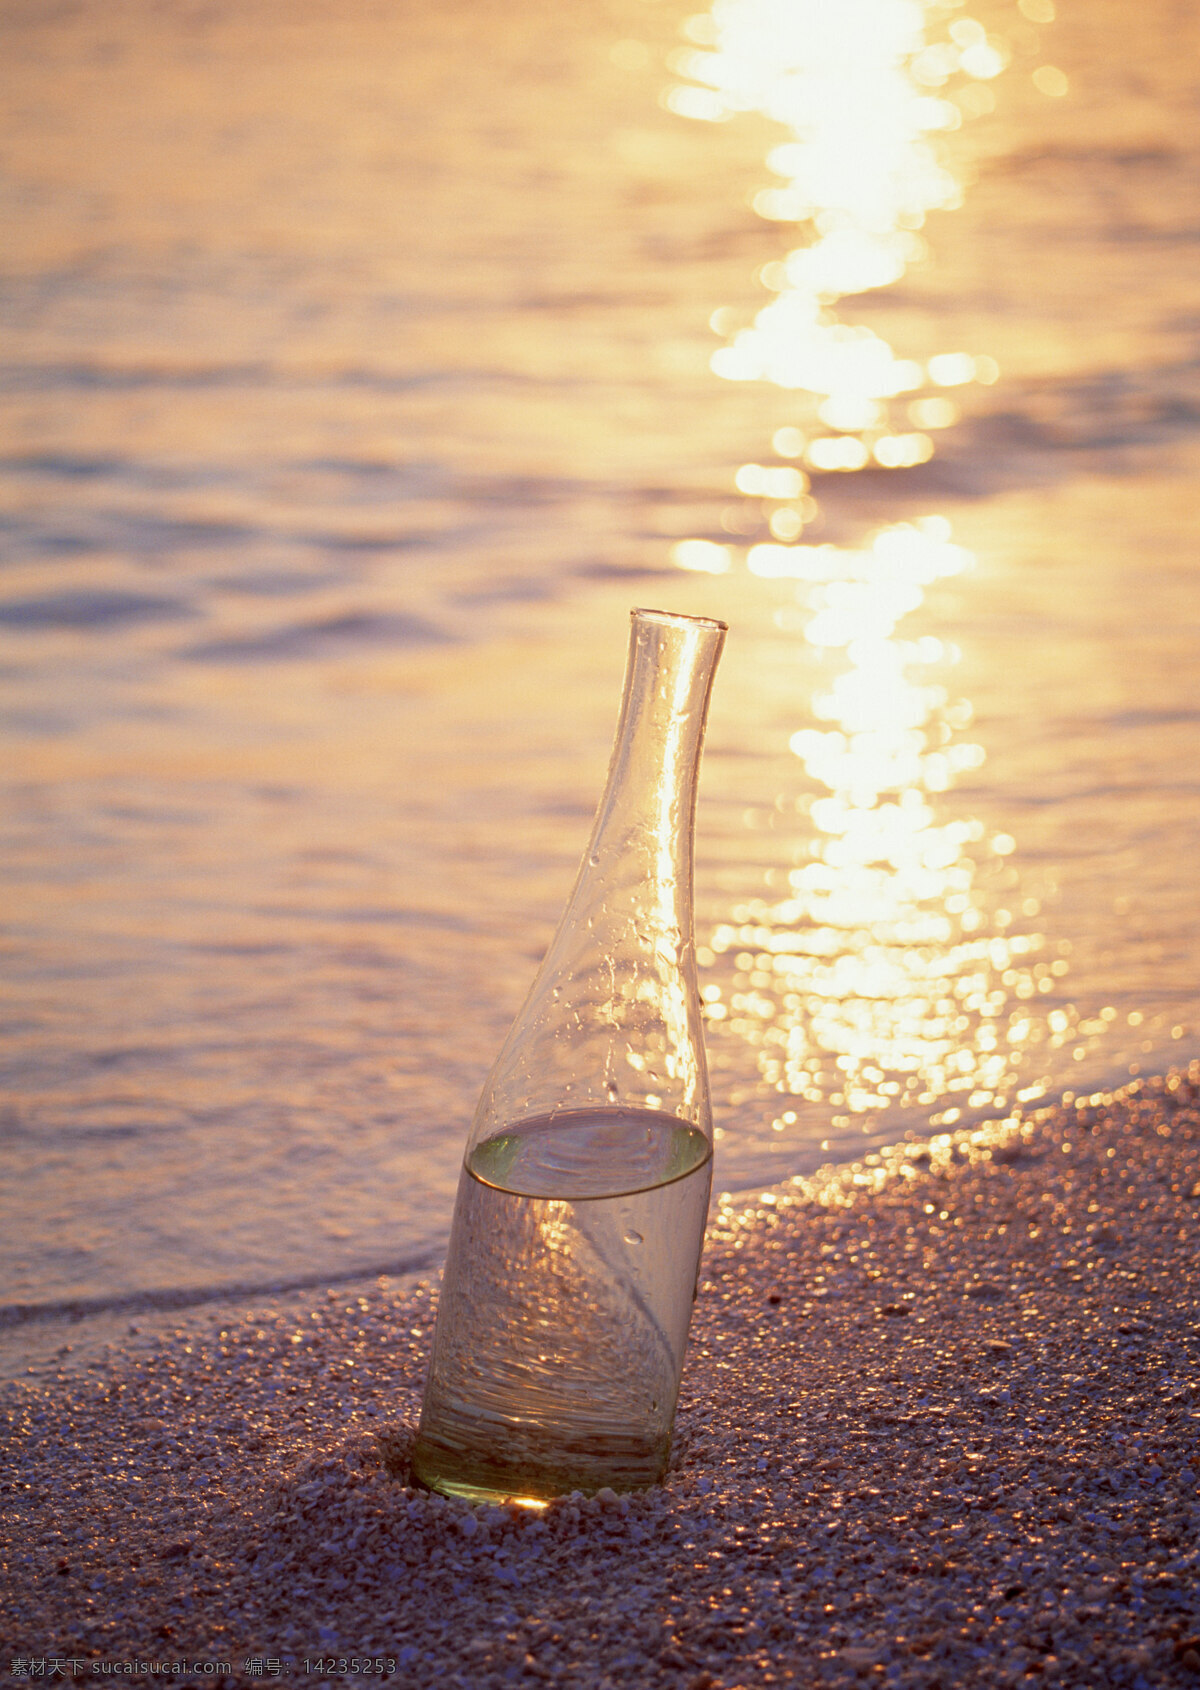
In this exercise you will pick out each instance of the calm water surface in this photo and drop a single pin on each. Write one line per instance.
(361, 371)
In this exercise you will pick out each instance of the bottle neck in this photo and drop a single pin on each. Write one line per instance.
(649, 801)
(613, 1017)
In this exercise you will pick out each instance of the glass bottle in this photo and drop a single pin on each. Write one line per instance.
(581, 1208)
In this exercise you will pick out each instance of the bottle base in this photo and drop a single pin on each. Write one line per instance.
(533, 1476)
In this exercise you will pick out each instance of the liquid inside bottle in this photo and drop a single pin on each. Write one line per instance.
(560, 1346)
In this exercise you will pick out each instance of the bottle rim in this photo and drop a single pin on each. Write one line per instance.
(677, 619)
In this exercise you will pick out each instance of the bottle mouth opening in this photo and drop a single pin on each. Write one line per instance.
(676, 619)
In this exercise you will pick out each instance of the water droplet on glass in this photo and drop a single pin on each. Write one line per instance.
(613, 1092)
(632, 1237)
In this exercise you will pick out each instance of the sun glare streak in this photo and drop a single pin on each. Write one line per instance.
(889, 973)
(864, 91)
(885, 976)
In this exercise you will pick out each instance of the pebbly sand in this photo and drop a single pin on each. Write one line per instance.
(940, 1426)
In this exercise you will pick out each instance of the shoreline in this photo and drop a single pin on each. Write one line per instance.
(37, 1337)
(940, 1424)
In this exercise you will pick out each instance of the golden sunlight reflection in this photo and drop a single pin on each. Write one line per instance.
(900, 967)
(886, 976)
(863, 89)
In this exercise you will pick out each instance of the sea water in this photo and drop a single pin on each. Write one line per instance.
(565, 1306)
(360, 380)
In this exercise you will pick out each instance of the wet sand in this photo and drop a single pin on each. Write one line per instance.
(940, 1426)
